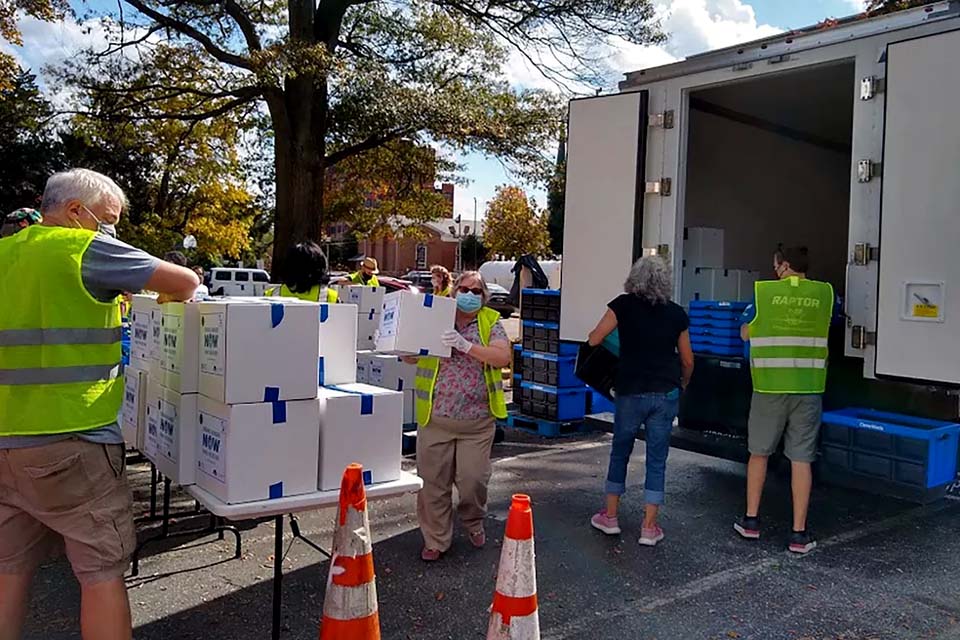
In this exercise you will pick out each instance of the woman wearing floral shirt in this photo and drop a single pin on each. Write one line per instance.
(458, 426)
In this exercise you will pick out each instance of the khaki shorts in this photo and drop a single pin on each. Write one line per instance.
(795, 418)
(73, 495)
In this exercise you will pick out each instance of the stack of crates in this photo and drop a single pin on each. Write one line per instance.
(545, 386)
(715, 328)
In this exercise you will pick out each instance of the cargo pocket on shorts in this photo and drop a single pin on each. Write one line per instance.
(115, 535)
(58, 486)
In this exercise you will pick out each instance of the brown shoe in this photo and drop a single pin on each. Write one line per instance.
(478, 539)
(429, 555)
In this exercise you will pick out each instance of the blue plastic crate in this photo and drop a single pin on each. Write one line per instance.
(544, 337)
(551, 403)
(721, 341)
(549, 369)
(735, 351)
(715, 323)
(530, 291)
(600, 404)
(715, 314)
(899, 449)
(718, 305)
(715, 332)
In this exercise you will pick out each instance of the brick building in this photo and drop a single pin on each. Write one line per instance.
(438, 245)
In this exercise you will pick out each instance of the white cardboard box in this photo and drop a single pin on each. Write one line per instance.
(367, 299)
(412, 324)
(263, 451)
(363, 365)
(409, 406)
(704, 283)
(180, 346)
(133, 422)
(390, 372)
(256, 350)
(746, 281)
(338, 339)
(171, 438)
(145, 334)
(367, 326)
(703, 247)
(359, 423)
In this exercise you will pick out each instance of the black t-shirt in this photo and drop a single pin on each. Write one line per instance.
(649, 362)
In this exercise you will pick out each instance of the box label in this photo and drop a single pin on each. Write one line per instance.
(213, 349)
(131, 395)
(375, 373)
(151, 442)
(171, 355)
(140, 335)
(168, 430)
(155, 335)
(391, 313)
(213, 456)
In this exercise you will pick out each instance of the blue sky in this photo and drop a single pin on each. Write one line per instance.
(693, 26)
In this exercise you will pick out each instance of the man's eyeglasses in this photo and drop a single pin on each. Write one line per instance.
(476, 292)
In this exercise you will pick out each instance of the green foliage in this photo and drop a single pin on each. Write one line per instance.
(340, 79)
(513, 225)
(10, 12)
(881, 7)
(556, 201)
(473, 252)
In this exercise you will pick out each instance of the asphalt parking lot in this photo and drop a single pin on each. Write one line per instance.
(884, 568)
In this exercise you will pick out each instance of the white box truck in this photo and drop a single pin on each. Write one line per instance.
(842, 138)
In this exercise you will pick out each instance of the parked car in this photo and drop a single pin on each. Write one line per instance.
(398, 284)
(500, 300)
(421, 279)
(237, 282)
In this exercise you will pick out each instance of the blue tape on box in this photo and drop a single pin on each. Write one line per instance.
(372, 313)
(366, 405)
(424, 352)
(272, 395)
(324, 312)
(400, 385)
(428, 300)
(367, 477)
(276, 314)
(276, 491)
(320, 372)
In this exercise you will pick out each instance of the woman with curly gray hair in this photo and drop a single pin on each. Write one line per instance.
(656, 363)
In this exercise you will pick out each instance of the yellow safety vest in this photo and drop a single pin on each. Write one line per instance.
(310, 296)
(357, 278)
(428, 368)
(59, 346)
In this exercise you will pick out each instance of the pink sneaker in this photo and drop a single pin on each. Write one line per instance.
(650, 537)
(605, 523)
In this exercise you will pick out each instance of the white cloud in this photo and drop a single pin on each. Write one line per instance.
(857, 5)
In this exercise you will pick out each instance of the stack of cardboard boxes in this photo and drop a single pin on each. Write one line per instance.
(705, 275)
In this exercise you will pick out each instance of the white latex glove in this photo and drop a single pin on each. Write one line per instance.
(452, 338)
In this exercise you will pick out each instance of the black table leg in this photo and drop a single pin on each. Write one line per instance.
(154, 479)
(277, 574)
(165, 524)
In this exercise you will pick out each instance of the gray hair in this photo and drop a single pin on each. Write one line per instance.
(474, 274)
(650, 279)
(89, 187)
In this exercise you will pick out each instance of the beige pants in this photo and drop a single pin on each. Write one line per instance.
(453, 452)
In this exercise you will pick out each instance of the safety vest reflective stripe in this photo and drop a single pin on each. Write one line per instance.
(59, 375)
(788, 363)
(34, 337)
(424, 373)
(788, 341)
(422, 395)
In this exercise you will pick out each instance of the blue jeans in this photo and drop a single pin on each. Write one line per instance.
(655, 411)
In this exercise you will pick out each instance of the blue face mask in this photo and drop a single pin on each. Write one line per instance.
(469, 302)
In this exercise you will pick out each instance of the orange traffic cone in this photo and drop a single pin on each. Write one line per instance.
(350, 602)
(514, 612)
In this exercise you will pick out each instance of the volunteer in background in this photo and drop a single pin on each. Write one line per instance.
(656, 362)
(19, 220)
(175, 257)
(62, 459)
(203, 291)
(457, 402)
(441, 280)
(304, 275)
(788, 364)
(366, 275)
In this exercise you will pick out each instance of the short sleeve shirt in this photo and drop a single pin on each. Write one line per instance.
(649, 362)
(461, 391)
(109, 267)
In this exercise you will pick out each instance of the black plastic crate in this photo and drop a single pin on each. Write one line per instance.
(718, 397)
(551, 370)
(544, 337)
(597, 367)
(517, 359)
(542, 305)
(552, 404)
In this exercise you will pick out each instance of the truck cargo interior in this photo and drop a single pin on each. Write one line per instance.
(769, 162)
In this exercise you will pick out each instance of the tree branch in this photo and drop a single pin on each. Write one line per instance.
(185, 29)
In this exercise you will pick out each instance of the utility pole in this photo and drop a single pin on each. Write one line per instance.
(475, 265)
(459, 260)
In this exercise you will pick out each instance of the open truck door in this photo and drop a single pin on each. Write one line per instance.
(603, 218)
(918, 311)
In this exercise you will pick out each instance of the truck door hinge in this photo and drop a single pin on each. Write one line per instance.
(860, 338)
(663, 120)
(871, 86)
(664, 187)
(867, 170)
(864, 254)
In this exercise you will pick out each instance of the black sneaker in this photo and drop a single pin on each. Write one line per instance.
(748, 527)
(801, 542)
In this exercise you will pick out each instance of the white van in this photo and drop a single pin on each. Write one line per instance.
(238, 282)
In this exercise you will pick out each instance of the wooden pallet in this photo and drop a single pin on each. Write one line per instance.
(541, 427)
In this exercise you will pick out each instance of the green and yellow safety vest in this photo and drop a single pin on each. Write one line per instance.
(310, 296)
(59, 346)
(788, 336)
(357, 278)
(428, 367)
